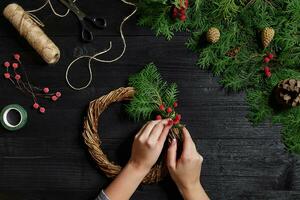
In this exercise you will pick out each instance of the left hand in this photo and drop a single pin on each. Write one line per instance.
(148, 144)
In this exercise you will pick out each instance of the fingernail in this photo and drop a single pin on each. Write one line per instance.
(174, 141)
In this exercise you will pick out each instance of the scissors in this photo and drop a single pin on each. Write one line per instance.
(98, 22)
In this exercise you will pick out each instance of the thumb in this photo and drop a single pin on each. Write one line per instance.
(171, 157)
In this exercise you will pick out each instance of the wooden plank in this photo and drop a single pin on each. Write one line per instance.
(114, 12)
(157, 50)
(47, 159)
(223, 157)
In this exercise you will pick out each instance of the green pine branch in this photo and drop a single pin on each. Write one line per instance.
(240, 23)
(151, 92)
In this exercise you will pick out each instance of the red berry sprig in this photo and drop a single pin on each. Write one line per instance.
(169, 112)
(16, 78)
(267, 59)
(180, 13)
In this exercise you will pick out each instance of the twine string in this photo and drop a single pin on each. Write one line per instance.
(121, 34)
(94, 57)
(33, 18)
(89, 68)
(52, 9)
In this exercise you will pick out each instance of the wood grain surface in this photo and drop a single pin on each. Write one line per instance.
(48, 160)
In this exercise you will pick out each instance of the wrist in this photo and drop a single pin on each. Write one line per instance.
(138, 169)
(189, 192)
(124, 185)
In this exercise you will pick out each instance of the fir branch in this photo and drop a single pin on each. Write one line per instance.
(259, 106)
(240, 23)
(151, 92)
(225, 9)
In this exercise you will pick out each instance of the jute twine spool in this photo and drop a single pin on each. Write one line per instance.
(29, 28)
(92, 137)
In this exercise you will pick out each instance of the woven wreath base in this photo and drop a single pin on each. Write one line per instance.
(92, 137)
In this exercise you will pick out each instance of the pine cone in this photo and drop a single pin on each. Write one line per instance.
(267, 36)
(287, 93)
(233, 52)
(213, 35)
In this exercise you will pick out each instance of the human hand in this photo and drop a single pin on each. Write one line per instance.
(146, 148)
(186, 170)
(148, 144)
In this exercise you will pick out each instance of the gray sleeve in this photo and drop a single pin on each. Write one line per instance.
(102, 196)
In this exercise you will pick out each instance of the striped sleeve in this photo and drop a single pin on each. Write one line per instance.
(102, 196)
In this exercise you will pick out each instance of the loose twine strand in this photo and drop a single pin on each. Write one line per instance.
(52, 9)
(94, 57)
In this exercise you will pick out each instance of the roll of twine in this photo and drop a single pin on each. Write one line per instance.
(29, 27)
(93, 142)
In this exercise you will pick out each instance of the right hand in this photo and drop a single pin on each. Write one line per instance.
(186, 170)
(148, 144)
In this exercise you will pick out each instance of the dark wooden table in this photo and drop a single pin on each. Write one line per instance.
(47, 159)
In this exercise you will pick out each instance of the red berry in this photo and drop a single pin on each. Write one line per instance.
(175, 9)
(17, 56)
(266, 59)
(36, 106)
(271, 56)
(162, 107)
(175, 104)
(267, 69)
(170, 122)
(183, 17)
(46, 90)
(54, 98)
(182, 11)
(178, 117)
(186, 3)
(175, 12)
(15, 65)
(7, 75)
(169, 110)
(175, 121)
(267, 72)
(42, 110)
(6, 64)
(58, 94)
(17, 77)
(158, 117)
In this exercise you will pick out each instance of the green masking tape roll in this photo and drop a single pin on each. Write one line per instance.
(13, 117)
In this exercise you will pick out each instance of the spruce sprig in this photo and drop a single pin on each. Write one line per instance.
(151, 92)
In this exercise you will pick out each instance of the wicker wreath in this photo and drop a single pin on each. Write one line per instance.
(92, 138)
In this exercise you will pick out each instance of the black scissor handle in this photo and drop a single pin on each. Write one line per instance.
(86, 34)
(99, 22)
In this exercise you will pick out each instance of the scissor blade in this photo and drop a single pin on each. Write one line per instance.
(66, 3)
(70, 5)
